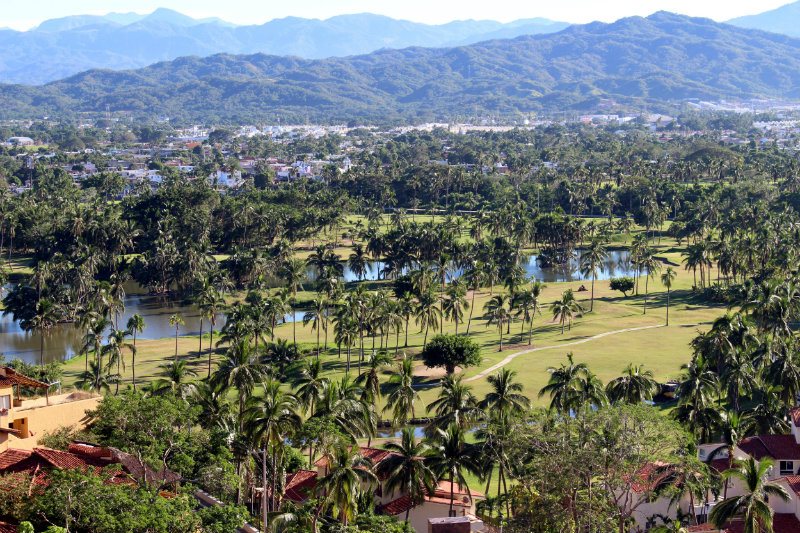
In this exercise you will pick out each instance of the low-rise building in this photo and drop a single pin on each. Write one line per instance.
(24, 422)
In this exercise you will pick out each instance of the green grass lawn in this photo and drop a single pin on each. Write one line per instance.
(662, 349)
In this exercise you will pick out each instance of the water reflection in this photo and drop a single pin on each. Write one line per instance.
(64, 341)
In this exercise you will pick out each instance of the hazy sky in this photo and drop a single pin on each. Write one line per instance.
(28, 13)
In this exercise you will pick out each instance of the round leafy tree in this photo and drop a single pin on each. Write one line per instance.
(450, 351)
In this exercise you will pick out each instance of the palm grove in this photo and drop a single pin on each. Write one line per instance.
(261, 405)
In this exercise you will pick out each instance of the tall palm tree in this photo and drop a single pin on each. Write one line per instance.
(474, 276)
(498, 311)
(114, 350)
(406, 469)
(752, 506)
(310, 383)
(317, 317)
(402, 393)
(135, 325)
(456, 404)
(371, 379)
(239, 369)
(636, 385)
(591, 259)
(270, 418)
(455, 305)
(652, 267)
(348, 472)
(357, 262)
(566, 309)
(44, 320)
(428, 314)
(506, 394)
(294, 273)
(176, 320)
(211, 303)
(667, 278)
(453, 457)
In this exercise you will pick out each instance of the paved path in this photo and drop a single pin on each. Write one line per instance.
(513, 356)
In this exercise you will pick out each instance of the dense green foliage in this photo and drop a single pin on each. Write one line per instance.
(659, 61)
(451, 351)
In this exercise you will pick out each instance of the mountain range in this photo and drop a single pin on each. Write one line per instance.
(656, 61)
(62, 47)
(784, 20)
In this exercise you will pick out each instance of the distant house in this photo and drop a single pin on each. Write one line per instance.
(300, 486)
(20, 141)
(23, 422)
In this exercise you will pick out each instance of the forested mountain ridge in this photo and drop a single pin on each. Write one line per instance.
(63, 47)
(653, 61)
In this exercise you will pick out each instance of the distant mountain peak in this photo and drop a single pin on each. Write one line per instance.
(784, 20)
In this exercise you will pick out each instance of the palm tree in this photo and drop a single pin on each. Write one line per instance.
(114, 350)
(95, 379)
(239, 370)
(371, 379)
(402, 393)
(474, 276)
(93, 339)
(177, 321)
(456, 404)
(310, 384)
(347, 473)
(135, 325)
(455, 305)
(210, 303)
(652, 267)
(667, 278)
(591, 258)
(406, 469)
(406, 307)
(499, 313)
(44, 320)
(452, 457)
(175, 379)
(270, 417)
(294, 273)
(566, 309)
(752, 506)
(357, 262)
(636, 385)
(317, 316)
(506, 394)
(428, 314)
(572, 387)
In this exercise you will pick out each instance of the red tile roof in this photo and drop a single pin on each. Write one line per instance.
(398, 506)
(793, 482)
(67, 460)
(794, 414)
(300, 484)
(12, 457)
(781, 523)
(7, 528)
(9, 377)
(775, 446)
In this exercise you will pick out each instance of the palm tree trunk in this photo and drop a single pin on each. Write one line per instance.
(264, 509)
(200, 337)
(591, 305)
(133, 363)
(176, 344)
(667, 307)
(471, 307)
(646, 283)
(406, 332)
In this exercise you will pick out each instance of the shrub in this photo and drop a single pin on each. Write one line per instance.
(624, 285)
(450, 351)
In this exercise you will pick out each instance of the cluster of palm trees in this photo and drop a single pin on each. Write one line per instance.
(265, 417)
